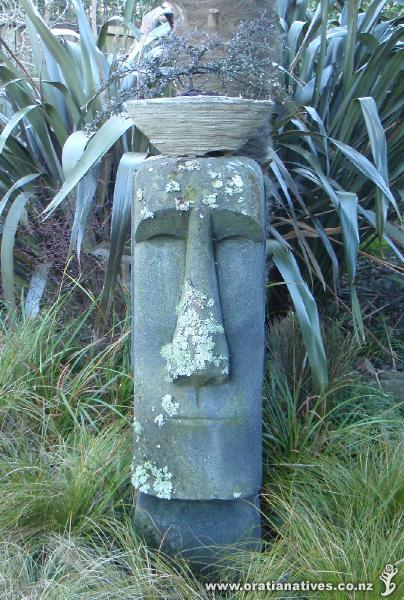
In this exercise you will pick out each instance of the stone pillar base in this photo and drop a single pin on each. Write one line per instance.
(200, 530)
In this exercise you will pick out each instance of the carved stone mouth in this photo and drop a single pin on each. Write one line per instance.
(179, 418)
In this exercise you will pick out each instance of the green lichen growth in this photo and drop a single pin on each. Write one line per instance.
(187, 199)
(193, 345)
(190, 194)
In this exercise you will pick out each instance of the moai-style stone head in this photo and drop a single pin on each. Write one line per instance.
(198, 327)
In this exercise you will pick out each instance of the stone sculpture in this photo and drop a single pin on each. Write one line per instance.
(198, 234)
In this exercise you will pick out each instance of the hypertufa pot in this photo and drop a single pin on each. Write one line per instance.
(198, 125)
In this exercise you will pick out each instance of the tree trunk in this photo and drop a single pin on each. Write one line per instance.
(197, 18)
(94, 7)
(223, 16)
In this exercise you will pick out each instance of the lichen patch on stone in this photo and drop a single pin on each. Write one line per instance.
(172, 186)
(148, 477)
(210, 200)
(217, 184)
(140, 194)
(162, 484)
(140, 478)
(193, 345)
(145, 213)
(237, 181)
(234, 185)
(137, 427)
(170, 407)
(157, 157)
(190, 165)
(159, 420)
(182, 204)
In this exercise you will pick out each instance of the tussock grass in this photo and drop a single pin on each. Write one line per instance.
(341, 515)
(68, 486)
(64, 568)
(54, 375)
(331, 500)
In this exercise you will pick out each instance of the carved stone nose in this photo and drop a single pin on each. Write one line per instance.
(198, 354)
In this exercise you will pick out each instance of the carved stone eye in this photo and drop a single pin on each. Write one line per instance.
(164, 225)
(163, 237)
(231, 238)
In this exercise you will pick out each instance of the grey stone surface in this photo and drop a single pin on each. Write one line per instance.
(202, 531)
(197, 125)
(198, 343)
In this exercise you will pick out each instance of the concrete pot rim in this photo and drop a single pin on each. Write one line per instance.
(201, 99)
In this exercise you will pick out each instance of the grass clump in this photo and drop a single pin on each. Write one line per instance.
(340, 515)
(67, 486)
(66, 568)
(54, 374)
